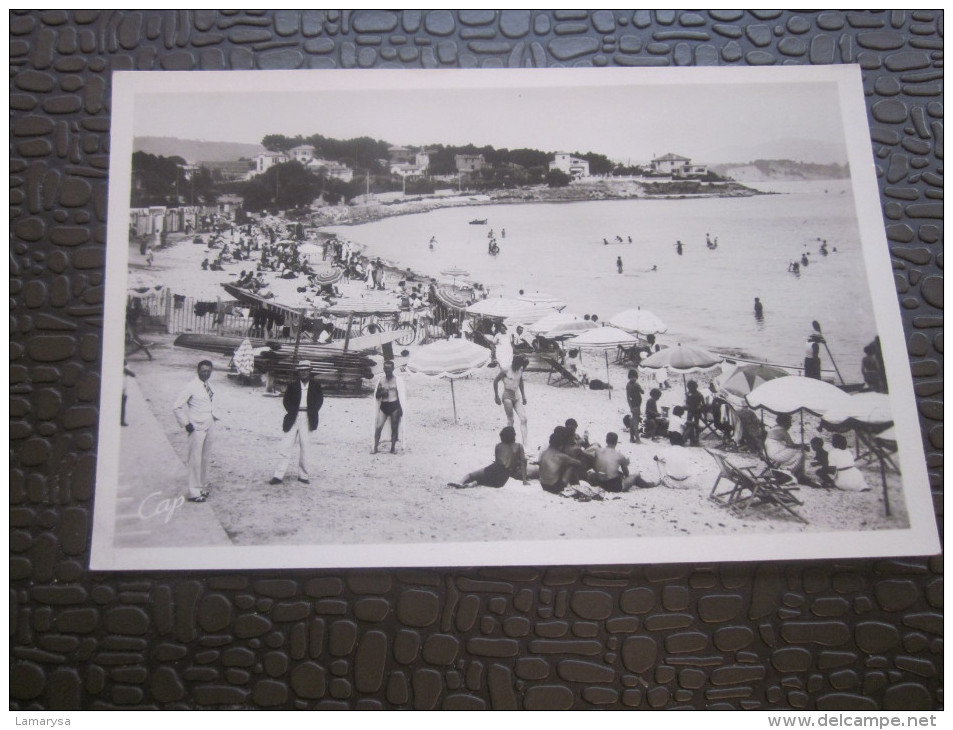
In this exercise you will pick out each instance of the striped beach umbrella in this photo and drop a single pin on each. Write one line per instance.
(327, 276)
(745, 378)
(683, 359)
(452, 297)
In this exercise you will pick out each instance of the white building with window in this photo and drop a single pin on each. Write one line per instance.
(572, 166)
(269, 159)
(677, 166)
(303, 153)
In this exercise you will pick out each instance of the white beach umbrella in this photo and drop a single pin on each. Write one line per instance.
(503, 308)
(795, 393)
(455, 272)
(861, 409)
(547, 300)
(561, 324)
(450, 359)
(683, 359)
(603, 338)
(639, 320)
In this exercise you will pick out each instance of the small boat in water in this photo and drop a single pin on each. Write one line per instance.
(478, 222)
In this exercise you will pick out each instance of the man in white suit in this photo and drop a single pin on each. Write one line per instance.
(194, 411)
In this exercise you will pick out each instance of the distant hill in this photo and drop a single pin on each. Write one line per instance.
(195, 150)
(767, 170)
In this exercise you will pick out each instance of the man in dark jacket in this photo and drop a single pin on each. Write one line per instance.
(302, 400)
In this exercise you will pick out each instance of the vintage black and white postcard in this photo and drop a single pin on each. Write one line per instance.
(521, 317)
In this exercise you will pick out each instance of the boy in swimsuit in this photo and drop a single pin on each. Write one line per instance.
(611, 470)
(512, 378)
(388, 406)
(556, 467)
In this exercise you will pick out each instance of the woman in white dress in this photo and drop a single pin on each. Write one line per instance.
(846, 475)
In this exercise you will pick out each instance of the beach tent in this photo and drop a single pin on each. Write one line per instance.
(449, 359)
(640, 321)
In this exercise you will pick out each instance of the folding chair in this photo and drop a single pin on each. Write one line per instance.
(732, 474)
(563, 376)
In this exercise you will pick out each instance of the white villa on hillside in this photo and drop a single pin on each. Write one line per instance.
(405, 168)
(677, 166)
(269, 159)
(332, 169)
(303, 153)
(572, 166)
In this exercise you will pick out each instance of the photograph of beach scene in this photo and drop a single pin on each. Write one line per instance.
(388, 318)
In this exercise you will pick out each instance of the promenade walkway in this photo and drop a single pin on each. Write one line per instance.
(151, 509)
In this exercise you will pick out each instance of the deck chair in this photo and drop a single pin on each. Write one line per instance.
(739, 481)
(562, 375)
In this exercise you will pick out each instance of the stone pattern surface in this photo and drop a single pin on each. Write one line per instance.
(854, 635)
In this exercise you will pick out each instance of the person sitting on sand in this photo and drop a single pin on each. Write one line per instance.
(846, 475)
(676, 426)
(780, 448)
(510, 462)
(610, 470)
(655, 424)
(556, 467)
(579, 448)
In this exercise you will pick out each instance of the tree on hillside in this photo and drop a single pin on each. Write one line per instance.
(557, 179)
(156, 180)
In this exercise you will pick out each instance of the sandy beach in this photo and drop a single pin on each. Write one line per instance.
(359, 497)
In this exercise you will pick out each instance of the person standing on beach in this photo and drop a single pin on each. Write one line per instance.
(194, 411)
(512, 378)
(302, 401)
(387, 395)
(618, 263)
(633, 393)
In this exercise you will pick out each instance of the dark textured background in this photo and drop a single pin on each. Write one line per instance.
(821, 635)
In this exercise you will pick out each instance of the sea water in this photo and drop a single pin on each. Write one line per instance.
(705, 296)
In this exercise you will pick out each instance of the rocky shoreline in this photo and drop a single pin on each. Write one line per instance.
(588, 191)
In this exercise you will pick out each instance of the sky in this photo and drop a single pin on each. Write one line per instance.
(708, 122)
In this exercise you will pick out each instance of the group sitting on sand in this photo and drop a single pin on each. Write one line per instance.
(568, 460)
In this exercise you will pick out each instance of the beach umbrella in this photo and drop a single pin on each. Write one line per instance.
(502, 308)
(605, 339)
(866, 410)
(868, 413)
(561, 324)
(795, 393)
(640, 320)
(745, 378)
(547, 300)
(452, 297)
(449, 359)
(455, 272)
(683, 359)
(327, 276)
